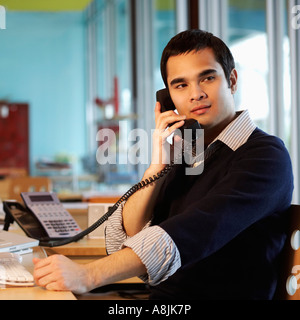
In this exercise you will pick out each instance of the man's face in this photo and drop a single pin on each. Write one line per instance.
(199, 89)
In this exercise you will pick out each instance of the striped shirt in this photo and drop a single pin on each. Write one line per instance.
(153, 245)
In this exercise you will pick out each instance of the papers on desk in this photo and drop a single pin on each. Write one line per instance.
(11, 242)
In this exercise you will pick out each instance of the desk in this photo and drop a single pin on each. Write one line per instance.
(83, 251)
(35, 292)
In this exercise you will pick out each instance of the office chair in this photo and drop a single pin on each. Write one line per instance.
(28, 184)
(289, 281)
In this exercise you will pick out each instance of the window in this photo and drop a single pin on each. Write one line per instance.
(259, 38)
(164, 28)
(112, 97)
(156, 24)
(247, 39)
(126, 39)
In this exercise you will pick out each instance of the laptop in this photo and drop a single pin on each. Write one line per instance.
(11, 242)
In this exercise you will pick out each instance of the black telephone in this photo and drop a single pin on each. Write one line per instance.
(34, 224)
(43, 217)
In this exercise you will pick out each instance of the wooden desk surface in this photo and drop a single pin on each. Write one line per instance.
(84, 247)
(34, 293)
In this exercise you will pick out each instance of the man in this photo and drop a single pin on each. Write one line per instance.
(217, 235)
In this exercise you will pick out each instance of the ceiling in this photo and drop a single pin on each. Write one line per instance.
(45, 5)
(79, 5)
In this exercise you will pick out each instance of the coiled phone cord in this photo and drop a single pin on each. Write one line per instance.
(190, 124)
(125, 197)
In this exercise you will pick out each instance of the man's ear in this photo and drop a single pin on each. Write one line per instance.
(233, 81)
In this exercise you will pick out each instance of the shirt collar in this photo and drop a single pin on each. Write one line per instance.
(237, 132)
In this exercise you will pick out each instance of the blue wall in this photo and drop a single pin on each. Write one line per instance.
(42, 62)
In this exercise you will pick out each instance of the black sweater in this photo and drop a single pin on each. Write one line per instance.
(228, 223)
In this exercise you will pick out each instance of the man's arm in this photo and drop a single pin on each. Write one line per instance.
(60, 273)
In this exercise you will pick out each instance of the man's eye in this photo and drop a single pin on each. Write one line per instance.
(210, 78)
(180, 86)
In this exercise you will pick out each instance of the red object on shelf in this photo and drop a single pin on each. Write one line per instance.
(14, 135)
(114, 100)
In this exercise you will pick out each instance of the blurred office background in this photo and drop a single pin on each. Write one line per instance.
(69, 68)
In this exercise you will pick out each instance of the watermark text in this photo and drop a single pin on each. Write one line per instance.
(134, 149)
(296, 17)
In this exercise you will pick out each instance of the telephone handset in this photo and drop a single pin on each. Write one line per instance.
(163, 96)
(33, 224)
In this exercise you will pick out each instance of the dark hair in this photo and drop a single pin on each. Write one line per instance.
(196, 40)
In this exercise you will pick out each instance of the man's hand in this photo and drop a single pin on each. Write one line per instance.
(161, 148)
(59, 273)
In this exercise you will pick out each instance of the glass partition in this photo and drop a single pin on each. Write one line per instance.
(247, 38)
